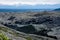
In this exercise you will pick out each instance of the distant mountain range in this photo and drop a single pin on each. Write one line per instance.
(25, 6)
(57, 9)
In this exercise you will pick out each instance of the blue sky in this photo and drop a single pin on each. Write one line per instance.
(29, 2)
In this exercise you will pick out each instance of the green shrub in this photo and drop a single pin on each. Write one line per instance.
(29, 38)
(3, 37)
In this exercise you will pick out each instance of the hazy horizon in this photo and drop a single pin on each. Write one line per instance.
(29, 4)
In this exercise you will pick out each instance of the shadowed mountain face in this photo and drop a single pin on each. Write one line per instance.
(58, 9)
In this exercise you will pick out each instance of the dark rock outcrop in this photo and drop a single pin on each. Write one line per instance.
(40, 20)
(11, 18)
(27, 29)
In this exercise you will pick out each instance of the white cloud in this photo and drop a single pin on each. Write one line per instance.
(30, 2)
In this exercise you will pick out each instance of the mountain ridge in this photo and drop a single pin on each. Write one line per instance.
(25, 6)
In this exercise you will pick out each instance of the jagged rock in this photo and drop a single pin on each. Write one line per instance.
(11, 18)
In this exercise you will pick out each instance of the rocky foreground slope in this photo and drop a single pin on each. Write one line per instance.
(45, 24)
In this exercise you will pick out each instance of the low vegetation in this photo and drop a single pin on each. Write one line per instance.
(28, 38)
(3, 37)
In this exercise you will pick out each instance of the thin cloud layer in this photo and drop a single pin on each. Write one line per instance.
(29, 2)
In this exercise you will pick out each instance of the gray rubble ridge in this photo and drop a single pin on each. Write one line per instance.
(39, 23)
